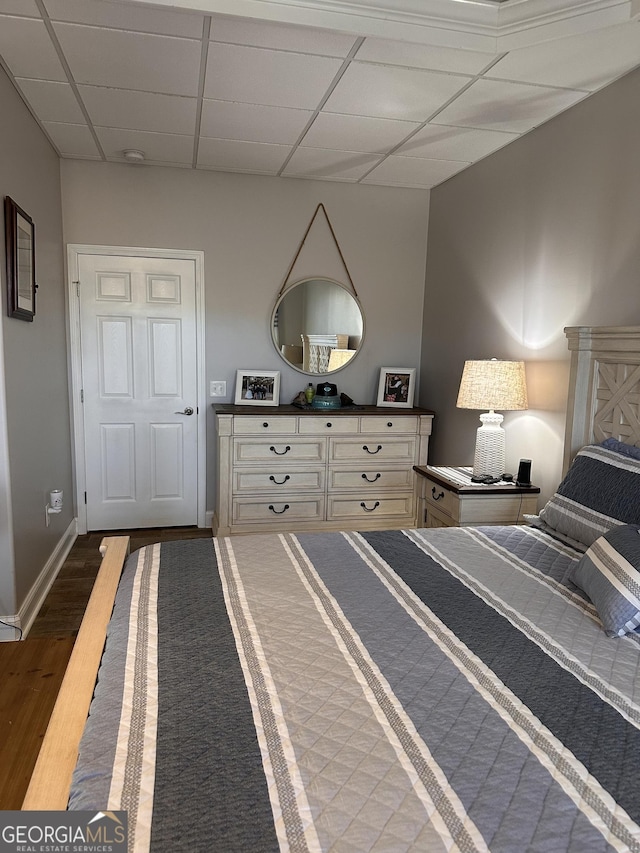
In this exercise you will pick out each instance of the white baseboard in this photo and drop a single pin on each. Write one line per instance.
(35, 599)
(209, 518)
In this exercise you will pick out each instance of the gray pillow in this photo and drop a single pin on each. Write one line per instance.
(609, 573)
(600, 491)
(620, 447)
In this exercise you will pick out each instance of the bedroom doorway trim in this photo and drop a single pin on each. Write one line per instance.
(74, 252)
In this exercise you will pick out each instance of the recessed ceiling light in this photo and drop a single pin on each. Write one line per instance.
(131, 155)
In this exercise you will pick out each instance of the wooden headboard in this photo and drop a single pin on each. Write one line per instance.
(604, 386)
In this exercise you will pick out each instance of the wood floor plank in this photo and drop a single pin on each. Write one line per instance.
(31, 673)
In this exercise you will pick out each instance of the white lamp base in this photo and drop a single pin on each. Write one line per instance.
(490, 442)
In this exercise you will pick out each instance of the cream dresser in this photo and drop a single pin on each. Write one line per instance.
(286, 468)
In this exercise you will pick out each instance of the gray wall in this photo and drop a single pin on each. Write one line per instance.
(541, 235)
(35, 448)
(250, 228)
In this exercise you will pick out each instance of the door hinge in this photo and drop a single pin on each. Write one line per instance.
(77, 284)
(85, 497)
(82, 395)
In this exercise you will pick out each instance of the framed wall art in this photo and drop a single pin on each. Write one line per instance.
(396, 387)
(258, 387)
(20, 244)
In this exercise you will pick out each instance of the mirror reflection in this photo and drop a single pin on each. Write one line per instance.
(317, 326)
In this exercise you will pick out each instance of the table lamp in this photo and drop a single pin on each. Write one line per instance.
(491, 384)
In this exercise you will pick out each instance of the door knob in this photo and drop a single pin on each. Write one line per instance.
(188, 411)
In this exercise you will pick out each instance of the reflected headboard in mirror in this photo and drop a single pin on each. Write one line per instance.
(317, 326)
(604, 386)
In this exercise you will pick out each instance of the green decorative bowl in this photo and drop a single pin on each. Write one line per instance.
(332, 402)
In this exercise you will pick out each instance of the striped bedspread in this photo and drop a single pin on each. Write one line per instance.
(419, 690)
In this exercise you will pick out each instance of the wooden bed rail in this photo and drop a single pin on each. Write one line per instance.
(51, 779)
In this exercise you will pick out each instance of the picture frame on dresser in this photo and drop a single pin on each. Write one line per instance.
(257, 387)
(396, 387)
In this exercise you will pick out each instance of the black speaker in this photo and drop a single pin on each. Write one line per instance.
(524, 473)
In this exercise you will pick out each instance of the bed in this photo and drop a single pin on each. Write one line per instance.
(403, 690)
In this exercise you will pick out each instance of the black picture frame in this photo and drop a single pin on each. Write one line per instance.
(20, 245)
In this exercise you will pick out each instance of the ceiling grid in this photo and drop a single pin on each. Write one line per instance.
(389, 92)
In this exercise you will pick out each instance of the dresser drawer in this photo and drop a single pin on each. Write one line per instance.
(388, 425)
(370, 509)
(371, 451)
(327, 425)
(285, 510)
(283, 450)
(366, 480)
(253, 481)
(252, 425)
(441, 498)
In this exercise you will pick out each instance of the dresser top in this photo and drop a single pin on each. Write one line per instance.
(289, 409)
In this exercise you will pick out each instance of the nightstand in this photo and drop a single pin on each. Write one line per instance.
(450, 499)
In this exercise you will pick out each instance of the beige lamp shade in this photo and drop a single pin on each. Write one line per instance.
(491, 384)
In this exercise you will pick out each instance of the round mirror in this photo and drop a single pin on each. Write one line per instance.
(317, 326)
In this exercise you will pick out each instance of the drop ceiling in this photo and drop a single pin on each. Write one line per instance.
(390, 92)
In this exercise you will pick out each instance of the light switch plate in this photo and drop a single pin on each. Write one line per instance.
(218, 388)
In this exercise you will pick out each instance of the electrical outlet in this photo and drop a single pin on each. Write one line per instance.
(218, 388)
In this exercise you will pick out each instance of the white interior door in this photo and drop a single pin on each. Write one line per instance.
(137, 318)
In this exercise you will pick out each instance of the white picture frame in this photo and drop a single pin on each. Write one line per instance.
(257, 387)
(396, 387)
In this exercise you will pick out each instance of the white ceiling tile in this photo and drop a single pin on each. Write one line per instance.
(439, 142)
(280, 36)
(257, 76)
(160, 147)
(587, 61)
(26, 48)
(252, 122)
(514, 107)
(431, 57)
(131, 60)
(127, 16)
(52, 101)
(389, 92)
(357, 133)
(139, 110)
(241, 156)
(322, 163)
(413, 172)
(26, 8)
(72, 140)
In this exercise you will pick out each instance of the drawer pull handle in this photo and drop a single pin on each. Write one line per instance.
(377, 477)
(389, 423)
(372, 452)
(279, 482)
(277, 452)
(329, 424)
(265, 424)
(278, 511)
(436, 497)
(366, 508)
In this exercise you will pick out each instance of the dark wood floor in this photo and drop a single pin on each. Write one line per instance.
(31, 671)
